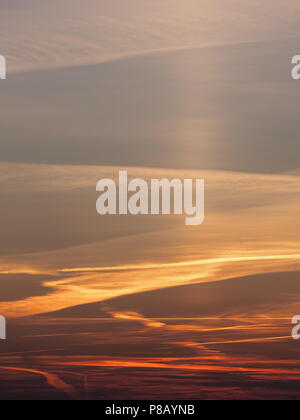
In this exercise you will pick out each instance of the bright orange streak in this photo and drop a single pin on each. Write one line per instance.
(181, 264)
(251, 340)
(189, 367)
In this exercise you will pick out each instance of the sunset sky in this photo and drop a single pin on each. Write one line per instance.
(145, 307)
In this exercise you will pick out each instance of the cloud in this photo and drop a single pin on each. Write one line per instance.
(206, 108)
(34, 35)
(139, 253)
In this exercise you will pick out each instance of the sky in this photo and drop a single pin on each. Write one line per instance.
(145, 307)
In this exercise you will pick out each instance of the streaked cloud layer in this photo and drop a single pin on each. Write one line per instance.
(43, 34)
(160, 252)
